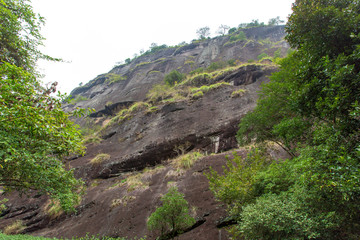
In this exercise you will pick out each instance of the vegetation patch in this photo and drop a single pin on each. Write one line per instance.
(160, 60)
(155, 72)
(173, 78)
(95, 183)
(100, 158)
(113, 78)
(186, 161)
(53, 209)
(201, 78)
(197, 71)
(92, 139)
(135, 182)
(77, 99)
(197, 95)
(165, 93)
(205, 89)
(141, 64)
(237, 37)
(262, 56)
(126, 114)
(152, 109)
(121, 201)
(15, 228)
(238, 93)
(189, 62)
(138, 106)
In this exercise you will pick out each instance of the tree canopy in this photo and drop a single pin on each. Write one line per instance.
(173, 216)
(35, 133)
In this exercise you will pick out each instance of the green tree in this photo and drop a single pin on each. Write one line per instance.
(173, 216)
(235, 186)
(255, 23)
(275, 21)
(173, 77)
(232, 30)
(35, 133)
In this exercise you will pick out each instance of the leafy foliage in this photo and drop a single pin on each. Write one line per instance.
(35, 133)
(240, 36)
(235, 186)
(311, 109)
(20, 34)
(173, 77)
(173, 216)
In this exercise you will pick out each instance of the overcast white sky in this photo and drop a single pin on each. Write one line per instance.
(92, 35)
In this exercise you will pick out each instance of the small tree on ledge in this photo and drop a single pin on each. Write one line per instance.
(173, 216)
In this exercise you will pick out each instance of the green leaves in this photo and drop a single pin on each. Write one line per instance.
(311, 109)
(173, 77)
(173, 216)
(236, 186)
(35, 135)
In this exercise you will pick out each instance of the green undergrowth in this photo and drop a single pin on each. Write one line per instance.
(127, 113)
(186, 161)
(238, 93)
(77, 99)
(207, 88)
(113, 78)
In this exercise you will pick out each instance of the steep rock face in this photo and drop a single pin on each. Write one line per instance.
(149, 138)
(122, 191)
(143, 72)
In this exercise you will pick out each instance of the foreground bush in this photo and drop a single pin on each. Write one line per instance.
(173, 216)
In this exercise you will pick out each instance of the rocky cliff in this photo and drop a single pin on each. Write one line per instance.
(141, 128)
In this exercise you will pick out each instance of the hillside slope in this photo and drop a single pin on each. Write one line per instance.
(140, 127)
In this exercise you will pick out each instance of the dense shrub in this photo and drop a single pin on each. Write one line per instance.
(238, 37)
(262, 56)
(276, 217)
(173, 77)
(216, 66)
(173, 216)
